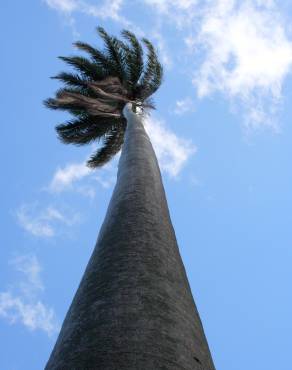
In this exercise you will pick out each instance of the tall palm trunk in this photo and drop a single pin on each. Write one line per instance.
(133, 309)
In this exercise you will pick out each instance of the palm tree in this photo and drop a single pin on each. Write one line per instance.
(133, 308)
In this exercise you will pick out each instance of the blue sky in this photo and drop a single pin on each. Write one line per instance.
(222, 133)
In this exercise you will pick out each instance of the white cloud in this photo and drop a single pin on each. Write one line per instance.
(29, 266)
(37, 226)
(107, 181)
(172, 152)
(32, 315)
(65, 177)
(247, 56)
(184, 106)
(109, 9)
(24, 306)
(43, 222)
(179, 12)
(66, 6)
(78, 177)
(171, 6)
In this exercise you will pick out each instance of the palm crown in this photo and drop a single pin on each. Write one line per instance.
(97, 93)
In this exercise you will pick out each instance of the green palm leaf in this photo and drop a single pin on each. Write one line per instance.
(112, 144)
(98, 57)
(85, 130)
(134, 58)
(115, 54)
(71, 79)
(152, 76)
(85, 66)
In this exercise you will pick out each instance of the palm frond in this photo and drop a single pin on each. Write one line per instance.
(85, 130)
(134, 57)
(112, 144)
(86, 67)
(71, 79)
(54, 103)
(152, 76)
(115, 54)
(110, 88)
(97, 56)
(68, 99)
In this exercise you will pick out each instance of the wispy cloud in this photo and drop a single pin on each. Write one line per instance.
(66, 6)
(247, 56)
(179, 12)
(108, 9)
(185, 105)
(79, 178)
(32, 315)
(172, 152)
(65, 177)
(28, 266)
(24, 306)
(107, 178)
(43, 222)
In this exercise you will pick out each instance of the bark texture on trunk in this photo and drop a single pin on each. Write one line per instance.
(134, 309)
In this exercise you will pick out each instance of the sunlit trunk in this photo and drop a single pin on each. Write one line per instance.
(134, 309)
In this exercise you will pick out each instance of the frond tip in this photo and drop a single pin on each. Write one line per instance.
(100, 86)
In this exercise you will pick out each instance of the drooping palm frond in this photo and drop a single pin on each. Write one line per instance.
(87, 68)
(98, 90)
(113, 141)
(85, 130)
(115, 54)
(98, 57)
(71, 79)
(133, 58)
(152, 76)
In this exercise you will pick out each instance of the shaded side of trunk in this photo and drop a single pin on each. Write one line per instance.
(134, 309)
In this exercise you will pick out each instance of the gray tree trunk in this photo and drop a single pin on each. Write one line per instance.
(134, 309)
